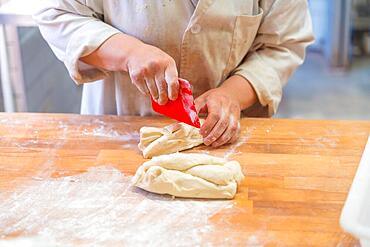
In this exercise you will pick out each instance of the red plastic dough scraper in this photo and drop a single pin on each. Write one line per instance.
(183, 108)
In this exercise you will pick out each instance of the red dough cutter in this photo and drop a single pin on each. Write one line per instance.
(183, 108)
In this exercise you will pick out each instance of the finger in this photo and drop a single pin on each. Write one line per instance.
(150, 83)
(143, 88)
(217, 130)
(236, 113)
(213, 108)
(237, 134)
(139, 82)
(162, 89)
(229, 133)
(200, 104)
(172, 80)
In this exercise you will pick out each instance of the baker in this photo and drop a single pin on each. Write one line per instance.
(237, 54)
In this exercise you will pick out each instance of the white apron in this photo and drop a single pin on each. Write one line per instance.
(262, 40)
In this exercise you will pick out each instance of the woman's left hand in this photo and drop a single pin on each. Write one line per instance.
(223, 106)
(223, 114)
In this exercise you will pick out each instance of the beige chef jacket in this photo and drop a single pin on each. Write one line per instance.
(261, 40)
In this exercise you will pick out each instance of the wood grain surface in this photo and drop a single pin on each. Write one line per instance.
(298, 173)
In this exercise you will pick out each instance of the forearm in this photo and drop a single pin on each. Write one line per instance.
(112, 55)
(240, 89)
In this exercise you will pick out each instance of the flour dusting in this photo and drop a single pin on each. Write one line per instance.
(101, 208)
(244, 137)
(104, 132)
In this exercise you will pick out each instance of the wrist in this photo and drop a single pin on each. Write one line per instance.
(131, 48)
(241, 90)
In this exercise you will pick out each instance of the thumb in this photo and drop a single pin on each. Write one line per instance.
(201, 104)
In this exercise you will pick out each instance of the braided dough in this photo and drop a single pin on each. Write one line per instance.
(170, 139)
(191, 175)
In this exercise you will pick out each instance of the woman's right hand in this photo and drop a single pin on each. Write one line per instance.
(153, 72)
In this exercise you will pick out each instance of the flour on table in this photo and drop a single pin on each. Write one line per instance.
(243, 139)
(101, 208)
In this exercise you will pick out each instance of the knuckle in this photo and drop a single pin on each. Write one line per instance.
(136, 76)
(218, 143)
(236, 136)
(213, 138)
(233, 140)
(234, 107)
(218, 133)
(144, 71)
(214, 117)
(224, 124)
(222, 140)
(163, 83)
(234, 127)
(153, 65)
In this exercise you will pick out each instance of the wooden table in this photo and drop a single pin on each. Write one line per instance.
(298, 173)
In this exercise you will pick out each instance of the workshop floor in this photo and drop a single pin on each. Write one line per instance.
(318, 92)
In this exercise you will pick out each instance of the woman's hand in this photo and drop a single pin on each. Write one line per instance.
(223, 106)
(153, 72)
(223, 114)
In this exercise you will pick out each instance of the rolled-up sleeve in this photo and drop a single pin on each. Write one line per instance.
(278, 49)
(73, 30)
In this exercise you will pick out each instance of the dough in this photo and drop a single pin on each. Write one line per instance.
(190, 175)
(170, 139)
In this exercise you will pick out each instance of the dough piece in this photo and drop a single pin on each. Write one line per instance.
(170, 139)
(191, 175)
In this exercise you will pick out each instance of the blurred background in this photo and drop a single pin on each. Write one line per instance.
(333, 83)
